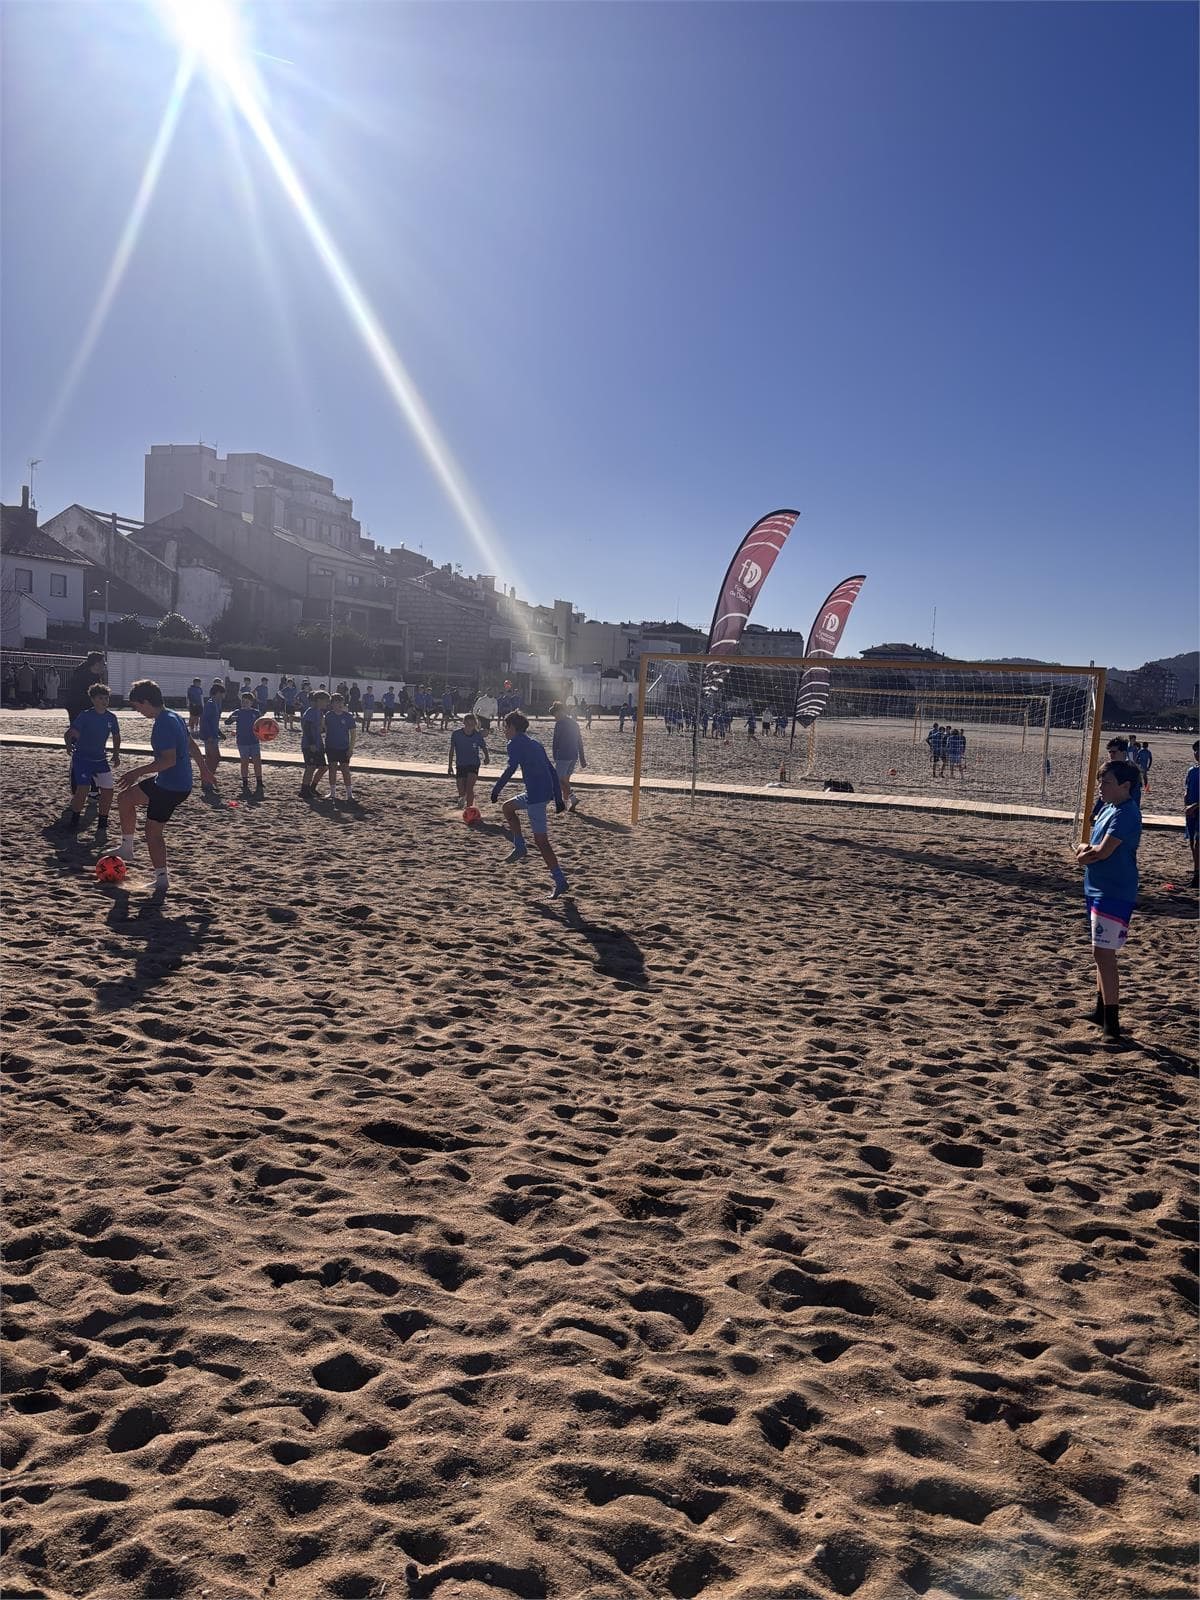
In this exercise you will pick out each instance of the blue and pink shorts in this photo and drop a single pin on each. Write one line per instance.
(1109, 920)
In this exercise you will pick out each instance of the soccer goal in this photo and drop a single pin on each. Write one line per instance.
(984, 733)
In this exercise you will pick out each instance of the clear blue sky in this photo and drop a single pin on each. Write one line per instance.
(927, 272)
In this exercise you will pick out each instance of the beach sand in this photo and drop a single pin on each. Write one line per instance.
(764, 1221)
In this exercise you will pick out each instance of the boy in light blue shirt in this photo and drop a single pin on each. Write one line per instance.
(210, 730)
(541, 786)
(340, 730)
(87, 738)
(1110, 882)
(249, 748)
(312, 744)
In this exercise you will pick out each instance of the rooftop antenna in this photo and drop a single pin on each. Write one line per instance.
(933, 630)
(34, 462)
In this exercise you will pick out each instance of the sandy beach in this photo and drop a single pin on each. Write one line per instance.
(765, 1220)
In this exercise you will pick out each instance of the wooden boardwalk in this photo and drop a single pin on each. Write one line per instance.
(584, 782)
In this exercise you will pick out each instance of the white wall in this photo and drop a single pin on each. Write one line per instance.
(20, 618)
(204, 595)
(172, 674)
(59, 608)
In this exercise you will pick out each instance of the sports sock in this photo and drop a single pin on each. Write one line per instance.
(1098, 1009)
(1112, 1022)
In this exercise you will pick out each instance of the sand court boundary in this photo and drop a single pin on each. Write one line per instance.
(588, 780)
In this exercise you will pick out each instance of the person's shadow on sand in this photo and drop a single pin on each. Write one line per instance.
(617, 955)
(167, 942)
(604, 823)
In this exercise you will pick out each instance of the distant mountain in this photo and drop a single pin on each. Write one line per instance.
(1185, 666)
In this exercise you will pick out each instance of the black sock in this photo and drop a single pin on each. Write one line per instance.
(1112, 1023)
(1098, 1013)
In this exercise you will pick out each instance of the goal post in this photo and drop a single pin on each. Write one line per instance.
(983, 732)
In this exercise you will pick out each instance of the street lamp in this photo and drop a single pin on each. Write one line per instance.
(446, 674)
(95, 595)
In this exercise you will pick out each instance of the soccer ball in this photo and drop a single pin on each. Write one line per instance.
(891, 772)
(472, 814)
(267, 729)
(110, 869)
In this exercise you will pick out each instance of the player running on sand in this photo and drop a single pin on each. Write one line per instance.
(541, 786)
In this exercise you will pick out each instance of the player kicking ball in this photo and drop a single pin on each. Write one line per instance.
(541, 786)
(161, 785)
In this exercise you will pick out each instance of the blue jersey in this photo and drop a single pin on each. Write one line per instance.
(310, 728)
(568, 741)
(389, 701)
(243, 720)
(1144, 759)
(289, 695)
(368, 701)
(537, 771)
(168, 732)
(467, 749)
(210, 720)
(1191, 790)
(94, 728)
(1116, 878)
(195, 695)
(337, 730)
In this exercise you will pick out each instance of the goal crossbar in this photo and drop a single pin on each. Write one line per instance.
(925, 694)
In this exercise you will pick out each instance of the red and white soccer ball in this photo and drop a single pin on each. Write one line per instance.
(110, 869)
(267, 729)
(472, 814)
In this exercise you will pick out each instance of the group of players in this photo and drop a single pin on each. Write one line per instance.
(327, 732)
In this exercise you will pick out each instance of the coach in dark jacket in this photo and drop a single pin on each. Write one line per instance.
(75, 695)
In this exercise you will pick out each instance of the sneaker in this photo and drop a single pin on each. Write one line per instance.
(305, 792)
(559, 889)
(574, 806)
(160, 884)
(125, 851)
(517, 853)
(102, 827)
(71, 822)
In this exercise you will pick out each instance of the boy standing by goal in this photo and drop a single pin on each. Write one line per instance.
(541, 786)
(1110, 882)
(567, 750)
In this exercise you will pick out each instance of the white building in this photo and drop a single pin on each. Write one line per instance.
(37, 575)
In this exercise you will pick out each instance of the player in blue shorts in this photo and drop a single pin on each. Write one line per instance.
(249, 747)
(87, 737)
(468, 752)
(1110, 882)
(541, 786)
(1191, 812)
(162, 784)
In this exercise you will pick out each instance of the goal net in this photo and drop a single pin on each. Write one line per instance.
(992, 734)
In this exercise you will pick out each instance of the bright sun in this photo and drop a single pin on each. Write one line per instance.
(211, 32)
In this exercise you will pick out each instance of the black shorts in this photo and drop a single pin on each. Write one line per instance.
(468, 772)
(339, 758)
(161, 803)
(314, 755)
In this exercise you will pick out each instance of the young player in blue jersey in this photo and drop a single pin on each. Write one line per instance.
(468, 752)
(340, 729)
(368, 708)
(195, 704)
(162, 784)
(567, 750)
(249, 748)
(1110, 882)
(312, 744)
(263, 696)
(541, 787)
(290, 695)
(210, 730)
(1191, 812)
(87, 738)
(388, 702)
(954, 749)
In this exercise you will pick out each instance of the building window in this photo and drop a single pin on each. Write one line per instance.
(58, 583)
(23, 578)
(354, 579)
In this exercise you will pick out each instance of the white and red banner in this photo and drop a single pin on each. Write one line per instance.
(823, 640)
(747, 573)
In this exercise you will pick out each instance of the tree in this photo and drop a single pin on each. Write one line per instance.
(175, 626)
(128, 634)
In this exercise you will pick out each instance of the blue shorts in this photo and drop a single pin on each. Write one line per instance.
(1191, 827)
(86, 770)
(535, 810)
(1109, 921)
(565, 768)
(250, 752)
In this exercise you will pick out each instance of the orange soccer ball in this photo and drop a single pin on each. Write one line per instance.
(891, 772)
(110, 869)
(472, 814)
(267, 729)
